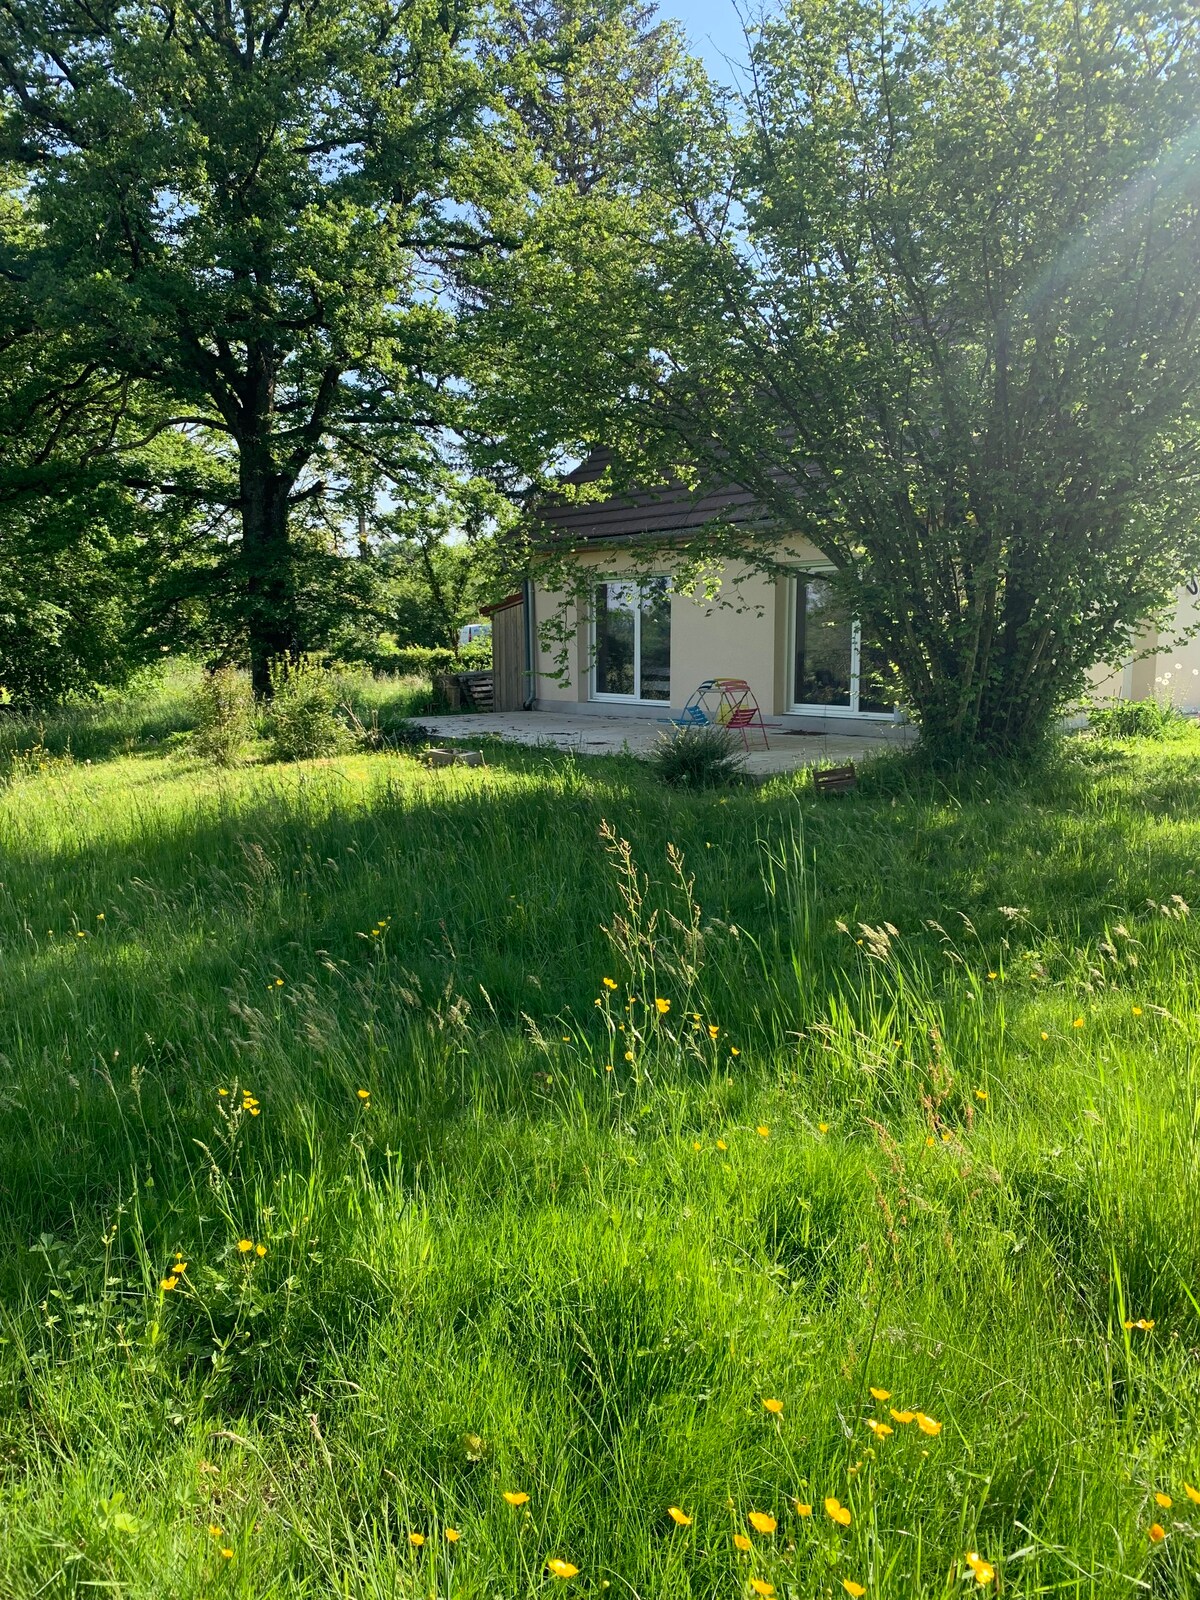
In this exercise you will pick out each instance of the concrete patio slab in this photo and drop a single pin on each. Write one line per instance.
(601, 736)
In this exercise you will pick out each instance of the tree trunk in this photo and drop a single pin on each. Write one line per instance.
(272, 623)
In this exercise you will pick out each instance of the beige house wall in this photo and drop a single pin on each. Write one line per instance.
(741, 633)
(745, 633)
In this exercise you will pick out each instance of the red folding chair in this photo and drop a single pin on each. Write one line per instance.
(739, 710)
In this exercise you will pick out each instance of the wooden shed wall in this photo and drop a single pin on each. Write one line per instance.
(508, 657)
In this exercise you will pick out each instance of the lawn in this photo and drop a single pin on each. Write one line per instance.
(416, 1183)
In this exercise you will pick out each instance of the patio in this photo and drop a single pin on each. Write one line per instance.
(601, 735)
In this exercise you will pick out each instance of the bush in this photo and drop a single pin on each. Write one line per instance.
(224, 716)
(1137, 719)
(421, 661)
(698, 758)
(303, 719)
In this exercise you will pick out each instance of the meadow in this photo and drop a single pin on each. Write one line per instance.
(479, 1183)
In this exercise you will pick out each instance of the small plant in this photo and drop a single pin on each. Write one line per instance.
(698, 758)
(224, 716)
(304, 719)
(1137, 719)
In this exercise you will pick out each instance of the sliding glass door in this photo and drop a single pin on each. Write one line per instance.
(632, 640)
(833, 667)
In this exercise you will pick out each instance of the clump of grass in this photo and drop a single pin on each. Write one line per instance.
(698, 758)
(304, 719)
(1137, 719)
(225, 716)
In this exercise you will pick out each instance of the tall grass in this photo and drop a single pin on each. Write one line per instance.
(917, 1113)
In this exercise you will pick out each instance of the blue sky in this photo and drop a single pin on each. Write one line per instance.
(714, 31)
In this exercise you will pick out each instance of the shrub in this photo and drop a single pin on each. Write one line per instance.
(421, 661)
(1137, 719)
(223, 711)
(698, 758)
(303, 719)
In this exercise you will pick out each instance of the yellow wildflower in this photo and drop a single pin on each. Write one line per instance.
(855, 1590)
(227, 1553)
(1163, 1500)
(517, 1498)
(681, 1517)
(835, 1509)
(761, 1521)
(741, 1542)
(879, 1429)
(928, 1425)
(761, 1586)
(561, 1569)
(713, 1030)
(245, 1246)
(773, 1406)
(803, 1509)
(1156, 1532)
(416, 1540)
(453, 1535)
(881, 1394)
(1144, 1323)
(662, 1006)
(763, 1131)
(721, 1145)
(903, 1416)
(169, 1283)
(1192, 1494)
(364, 1094)
(1137, 1011)
(260, 1250)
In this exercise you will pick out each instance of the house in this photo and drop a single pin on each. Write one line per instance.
(632, 647)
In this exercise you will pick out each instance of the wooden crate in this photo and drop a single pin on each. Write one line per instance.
(835, 780)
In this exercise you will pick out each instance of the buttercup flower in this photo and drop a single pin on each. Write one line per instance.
(662, 1006)
(761, 1522)
(227, 1553)
(763, 1131)
(1144, 1323)
(609, 983)
(881, 1394)
(1192, 1494)
(1156, 1532)
(453, 1535)
(260, 1250)
(773, 1406)
(928, 1425)
(903, 1416)
(1163, 1500)
(802, 1509)
(761, 1586)
(516, 1498)
(169, 1283)
(741, 1542)
(681, 1517)
(835, 1509)
(245, 1246)
(364, 1094)
(561, 1569)
(416, 1540)
(879, 1429)
(855, 1590)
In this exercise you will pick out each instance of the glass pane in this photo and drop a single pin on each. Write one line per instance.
(615, 612)
(823, 638)
(876, 680)
(656, 640)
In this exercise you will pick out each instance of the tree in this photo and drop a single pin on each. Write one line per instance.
(249, 212)
(933, 294)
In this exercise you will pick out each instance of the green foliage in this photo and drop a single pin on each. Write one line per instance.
(259, 222)
(509, 1267)
(698, 758)
(303, 718)
(224, 716)
(1137, 719)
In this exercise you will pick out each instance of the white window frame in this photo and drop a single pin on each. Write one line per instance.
(637, 584)
(810, 708)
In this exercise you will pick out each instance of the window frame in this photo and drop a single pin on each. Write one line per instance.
(814, 708)
(639, 584)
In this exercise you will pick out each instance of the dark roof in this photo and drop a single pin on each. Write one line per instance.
(671, 508)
